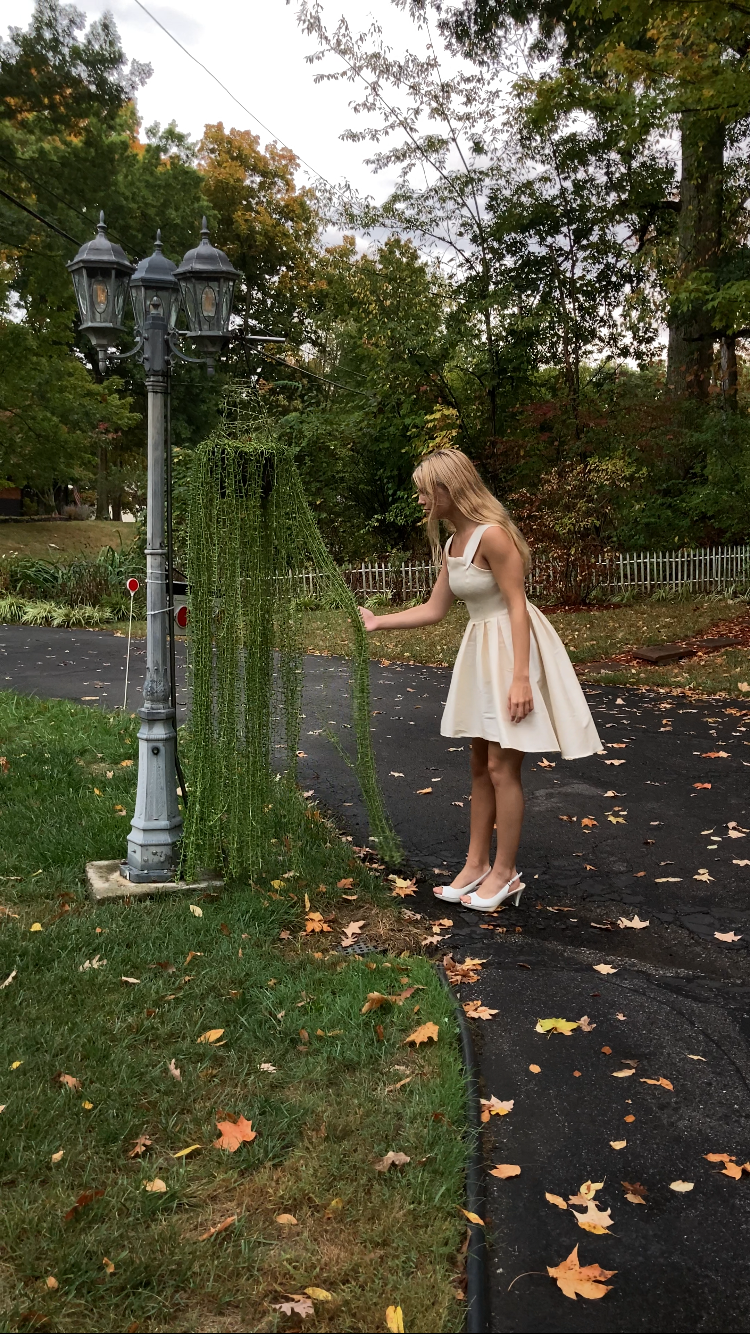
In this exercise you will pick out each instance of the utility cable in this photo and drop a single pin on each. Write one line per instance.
(48, 190)
(325, 379)
(52, 226)
(215, 78)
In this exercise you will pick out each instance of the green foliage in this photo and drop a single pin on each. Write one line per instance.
(250, 534)
(81, 581)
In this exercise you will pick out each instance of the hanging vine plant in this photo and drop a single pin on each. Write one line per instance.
(251, 534)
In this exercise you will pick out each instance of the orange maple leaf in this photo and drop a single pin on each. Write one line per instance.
(584, 1280)
(234, 1133)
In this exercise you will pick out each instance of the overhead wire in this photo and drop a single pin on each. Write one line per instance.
(229, 92)
(52, 226)
(53, 193)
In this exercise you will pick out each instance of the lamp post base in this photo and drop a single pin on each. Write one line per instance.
(106, 882)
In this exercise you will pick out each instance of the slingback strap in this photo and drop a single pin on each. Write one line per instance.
(473, 543)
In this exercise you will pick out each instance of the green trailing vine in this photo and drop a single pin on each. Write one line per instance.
(250, 535)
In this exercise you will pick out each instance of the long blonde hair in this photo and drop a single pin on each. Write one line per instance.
(453, 470)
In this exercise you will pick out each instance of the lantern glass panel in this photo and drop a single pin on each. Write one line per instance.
(226, 306)
(208, 305)
(100, 294)
(79, 286)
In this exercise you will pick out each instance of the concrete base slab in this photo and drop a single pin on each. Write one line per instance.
(105, 883)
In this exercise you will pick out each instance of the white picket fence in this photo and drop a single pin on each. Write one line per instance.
(700, 570)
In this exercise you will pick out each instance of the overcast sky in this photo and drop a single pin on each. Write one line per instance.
(257, 50)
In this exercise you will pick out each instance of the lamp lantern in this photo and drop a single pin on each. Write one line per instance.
(207, 278)
(101, 274)
(154, 277)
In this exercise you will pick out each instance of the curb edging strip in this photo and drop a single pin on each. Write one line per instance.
(476, 1254)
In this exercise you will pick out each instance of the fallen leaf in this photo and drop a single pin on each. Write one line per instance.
(617, 1143)
(15, 1064)
(220, 1227)
(8, 979)
(183, 1153)
(663, 1083)
(140, 1145)
(565, 1026)
(555, 1199)
(715, 755)
(505, 1170)
(394, 774)
(494, 1107)
(726, 935)
(314, 923)
(69, 1082)
(694, 1058)
(295, 1306)
(351, 932)
(234, 1133)
(586, 1281)
(594, 1219)
(86, 1198)
(585, 1024)
(476, 1010)
(473, 1218)
(270, 1069)
(319, 1294)
(422, 791)
(589, 1188)
(174, 1070)
(394, 1319)
(195, 910)
(157, 1186)
(703, 875)
(620, 1015)
(287, 1220)
(546, 764)
(87, 1106)
(622, 1074)
(51, 1283)
(422, 1034)
(133, 981)
(635, 1188)
(458, 973)
(735, 862)
(108, 1265)
(211, 1035)
(668, 880)
(630, 1118)
(708, 785)
(535, 1069)
(391, 1159)
(634, 922)
(96, 962)
(604, 968)
(681, 1185)
(588, 822)
(391, 1088)
(615, 761)
(56, 1157)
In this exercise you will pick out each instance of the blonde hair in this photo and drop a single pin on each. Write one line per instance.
(453, 470)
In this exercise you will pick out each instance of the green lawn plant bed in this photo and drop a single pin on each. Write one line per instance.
(114, 1190)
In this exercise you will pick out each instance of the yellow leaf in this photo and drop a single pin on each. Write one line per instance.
(16, 1064)
(278, 884)
(622, 1074)
(36, 926)
(108, 1265)
(589, 1188)
(394, 1319)
(473, 1218)
(681, 1185)
(157, 1186)
(195, 910)
(604, 968)
(422, 1034)
(555, 1199)
(617, 1143)
(183, 1153)
(287, 1220)
(565, 1026)
(211, 1035)
(52, 1283)
(505, 1170)
(319, 1294)
(87, 1106)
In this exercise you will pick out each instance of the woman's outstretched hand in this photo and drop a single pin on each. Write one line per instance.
(520, 700)
(369, 620)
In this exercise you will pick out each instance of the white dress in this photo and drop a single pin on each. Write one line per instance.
(477, 704)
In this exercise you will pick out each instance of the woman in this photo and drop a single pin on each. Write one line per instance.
(513, 688)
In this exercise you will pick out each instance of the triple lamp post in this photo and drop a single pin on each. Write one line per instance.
(203, 286)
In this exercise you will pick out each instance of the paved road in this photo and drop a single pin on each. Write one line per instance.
(672, 811)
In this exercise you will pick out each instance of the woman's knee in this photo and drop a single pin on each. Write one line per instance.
(479, 760)
(504, 766)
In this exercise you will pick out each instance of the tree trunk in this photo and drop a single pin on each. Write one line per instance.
(116, 502)
(691, 335)
(729, 372)
(102, 491)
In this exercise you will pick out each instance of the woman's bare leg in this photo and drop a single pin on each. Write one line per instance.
(504, 774)
(483, 806)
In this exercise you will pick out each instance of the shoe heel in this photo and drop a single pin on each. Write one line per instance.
(517, 896)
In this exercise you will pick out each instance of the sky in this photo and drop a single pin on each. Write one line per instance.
(256, 48)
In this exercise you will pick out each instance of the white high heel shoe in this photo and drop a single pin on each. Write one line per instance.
(449, 893)
(489, 905)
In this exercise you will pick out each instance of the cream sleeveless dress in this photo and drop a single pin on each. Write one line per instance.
(477, 704)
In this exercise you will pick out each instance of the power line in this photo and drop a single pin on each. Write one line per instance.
(52, 226)
(213, 76)
(53, 193)
(325, 379)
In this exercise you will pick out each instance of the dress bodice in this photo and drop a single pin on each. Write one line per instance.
(477, 588)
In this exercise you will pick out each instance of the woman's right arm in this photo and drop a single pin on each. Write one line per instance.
(428, 613)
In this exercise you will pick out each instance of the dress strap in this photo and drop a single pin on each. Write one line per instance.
(473, 543)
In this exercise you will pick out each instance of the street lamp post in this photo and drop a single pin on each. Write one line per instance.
(204, 283)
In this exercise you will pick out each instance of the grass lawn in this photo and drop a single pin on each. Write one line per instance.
(85, 1243)
(54, 540)
(589, 635)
